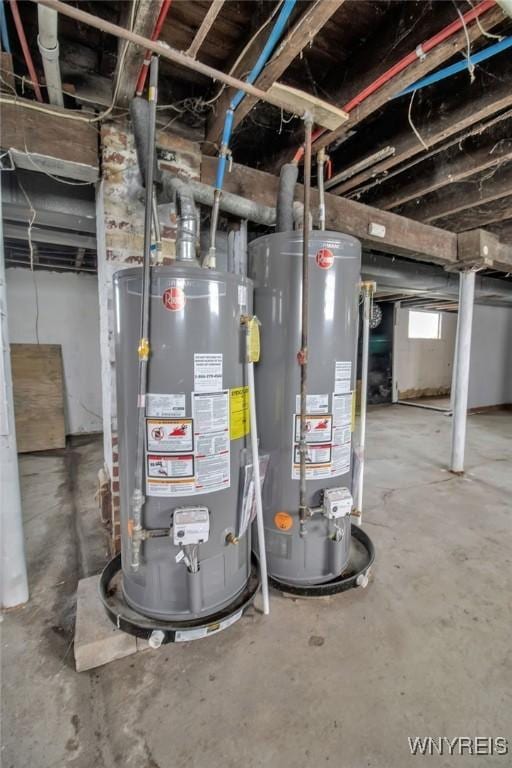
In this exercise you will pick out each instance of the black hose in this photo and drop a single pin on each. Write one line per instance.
(140, 115)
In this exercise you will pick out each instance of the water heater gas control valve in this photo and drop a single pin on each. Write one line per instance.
(191, 525)
(338, 502)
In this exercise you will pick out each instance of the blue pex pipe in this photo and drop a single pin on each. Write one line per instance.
(453, 69)
(273, 39)
(3, 29)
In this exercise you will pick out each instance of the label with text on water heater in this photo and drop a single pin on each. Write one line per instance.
(342, 377)
(207, 372)
(170, 466)
(169, 435)
(342, 410)
(211, 431)
(314, 404)
(165, 405)
(183, 635)
(318, 428)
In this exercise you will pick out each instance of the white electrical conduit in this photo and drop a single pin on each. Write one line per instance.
(48, 43)
(368, 291)
(257, 490)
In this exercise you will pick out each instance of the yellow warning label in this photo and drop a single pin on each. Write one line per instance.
(253, 340)
(239, 413)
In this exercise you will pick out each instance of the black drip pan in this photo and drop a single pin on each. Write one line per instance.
(362, 555)
(134, 623)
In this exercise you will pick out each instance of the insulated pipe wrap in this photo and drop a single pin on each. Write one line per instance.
(139, 113)
(229, 203)
(284, 211)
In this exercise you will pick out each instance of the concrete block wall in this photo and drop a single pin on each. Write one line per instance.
(120, 234)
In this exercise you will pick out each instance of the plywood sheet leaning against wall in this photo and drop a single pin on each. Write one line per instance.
(38, 387)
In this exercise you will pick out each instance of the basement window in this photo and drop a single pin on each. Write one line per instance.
(424, 325)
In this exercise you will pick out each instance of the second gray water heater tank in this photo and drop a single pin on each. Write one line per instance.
(334, 277)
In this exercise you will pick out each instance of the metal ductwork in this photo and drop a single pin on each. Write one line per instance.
(427, 279)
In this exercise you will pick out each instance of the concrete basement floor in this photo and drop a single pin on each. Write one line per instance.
(424, 650)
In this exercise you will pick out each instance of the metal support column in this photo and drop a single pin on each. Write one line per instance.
(461, 368)
(13, 571)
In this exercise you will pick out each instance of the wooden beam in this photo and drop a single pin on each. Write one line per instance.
(403, 237)
(44, 140)
(460, 117)
(460, 197)
(480, 215)
(439, 55)
(302, 33)
(144, 24)
(448, 172)
(206, 25)
(478, 246)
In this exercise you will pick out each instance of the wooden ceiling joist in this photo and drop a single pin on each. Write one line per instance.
(423, 66)
(302, 33)
(479, 216)
(433, 131)
(464, 165)
(144, 24)
(461, 197)
(206, 25)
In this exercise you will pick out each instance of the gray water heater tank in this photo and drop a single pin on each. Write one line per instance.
(194, 448)
(334, 277)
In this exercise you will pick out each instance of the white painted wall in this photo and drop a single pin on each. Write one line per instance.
(423, 364)
(68, 315)
(490, 377)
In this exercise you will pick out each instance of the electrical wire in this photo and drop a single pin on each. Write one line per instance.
(33, 214)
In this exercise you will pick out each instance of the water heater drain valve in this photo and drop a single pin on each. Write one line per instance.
(338, 503)
(191, 525)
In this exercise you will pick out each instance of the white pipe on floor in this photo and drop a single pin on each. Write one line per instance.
(13, 571)
(463, 351)
(368, 291)
(257, 490)
(48, 42)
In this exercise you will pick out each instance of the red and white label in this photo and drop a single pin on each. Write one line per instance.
(324, 258)
(174, 298)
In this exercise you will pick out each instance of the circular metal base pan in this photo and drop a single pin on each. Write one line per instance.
(362, 555)
(134, 623)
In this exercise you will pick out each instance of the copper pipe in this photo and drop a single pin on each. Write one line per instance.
(171, 54)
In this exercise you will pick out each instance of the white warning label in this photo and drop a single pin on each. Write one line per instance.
(213, 472)
(207, 372)
(169, 465)
(165, 405)
(341, 410)
(318, 429)
(163, 487)
(169, 435)
(342, 377)
(210, 412)
(314, 404)
(316, 454)
(341, 455)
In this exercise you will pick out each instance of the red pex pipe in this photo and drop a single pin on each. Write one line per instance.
(26, 50)
(141, 81)
(405, 62)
